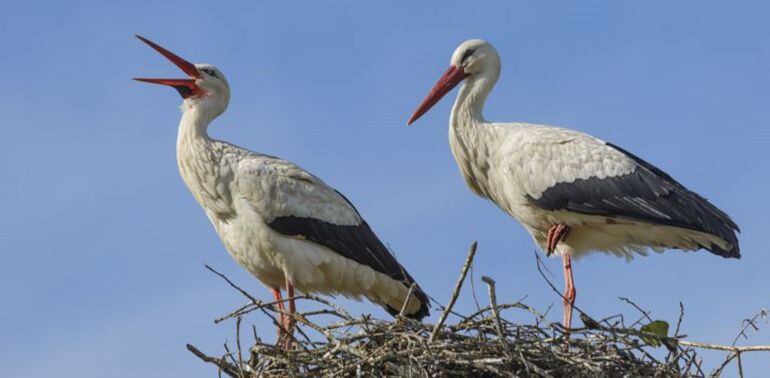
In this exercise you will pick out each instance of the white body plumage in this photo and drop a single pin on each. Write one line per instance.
(241, 192)
(542, 176)
(509, 162)
(284, 225)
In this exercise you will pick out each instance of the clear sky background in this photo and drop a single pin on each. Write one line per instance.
(103, 247)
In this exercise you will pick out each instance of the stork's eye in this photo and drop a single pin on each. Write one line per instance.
(467, 53)
(210, 72)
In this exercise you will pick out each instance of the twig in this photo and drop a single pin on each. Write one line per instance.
(406, 301)
(749, 322)
(238, 344)
(498, 325)
(219, 362)
(679, 320)
(455, 292)
(645, 314)
(245, 294)
(473, 291)
(729, 348)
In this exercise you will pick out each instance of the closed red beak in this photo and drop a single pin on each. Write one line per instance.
(185, 87)
(446, 82)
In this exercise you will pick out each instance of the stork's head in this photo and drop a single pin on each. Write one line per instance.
(205, 87)
(473, 60)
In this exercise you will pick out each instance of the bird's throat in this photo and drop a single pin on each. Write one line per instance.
(202, 167)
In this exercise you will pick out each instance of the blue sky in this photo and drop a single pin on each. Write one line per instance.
(104, 247)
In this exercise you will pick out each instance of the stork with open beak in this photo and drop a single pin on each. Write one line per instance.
(574, 193)
(284, 225)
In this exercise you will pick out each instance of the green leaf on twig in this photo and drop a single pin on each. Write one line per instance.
(659, 328)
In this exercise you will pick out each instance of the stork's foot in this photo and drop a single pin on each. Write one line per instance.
(556, 234)
(286, 339)
(286, 333)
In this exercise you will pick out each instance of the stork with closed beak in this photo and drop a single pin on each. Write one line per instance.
(284, 225)
(574, 193)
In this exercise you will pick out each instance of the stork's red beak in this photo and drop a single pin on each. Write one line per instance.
(446, 82)
(185, 87)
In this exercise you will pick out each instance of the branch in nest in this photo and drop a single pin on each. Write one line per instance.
(485, 343)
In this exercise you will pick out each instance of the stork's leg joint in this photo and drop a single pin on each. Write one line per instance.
(557, 233)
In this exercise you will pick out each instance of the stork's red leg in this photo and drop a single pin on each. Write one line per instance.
(282, 309)
(556, 234)
(290, 318)
(569, 290)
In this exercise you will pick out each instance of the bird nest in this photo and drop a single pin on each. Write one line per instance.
(329, 341)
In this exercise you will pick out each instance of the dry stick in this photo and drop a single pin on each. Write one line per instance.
(679, 321)
(473, 291)
(239, 312)
(505, 306)
(373, 358)
(498, 325)
(228, 353)
(673, 355)
(749, 323)
(406, 301)
(745, 325)
(258, 304)
(219, 362)
(329, 337)
(736, 349)
(694, 344)
(247, 295)
(328, 303)
(238, 344)
(645, 314)
(249, 307)
(455, 293)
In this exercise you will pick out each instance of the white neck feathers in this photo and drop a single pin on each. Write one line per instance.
(201, 164)
(469, 106)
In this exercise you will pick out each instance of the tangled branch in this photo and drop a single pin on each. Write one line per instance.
(484, 343)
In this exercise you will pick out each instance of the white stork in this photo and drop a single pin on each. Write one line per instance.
(574, 193)
(284, 225)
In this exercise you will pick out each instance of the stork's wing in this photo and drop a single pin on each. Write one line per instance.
(589, 176)
(298, 204)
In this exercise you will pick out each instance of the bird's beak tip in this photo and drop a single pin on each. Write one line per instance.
(183, 64)
(145, 40)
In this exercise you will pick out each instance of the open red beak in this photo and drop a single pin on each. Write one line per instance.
(448, 80)
(185, 87)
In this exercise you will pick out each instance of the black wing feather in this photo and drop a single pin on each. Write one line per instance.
(647, 194)
(358, 243)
